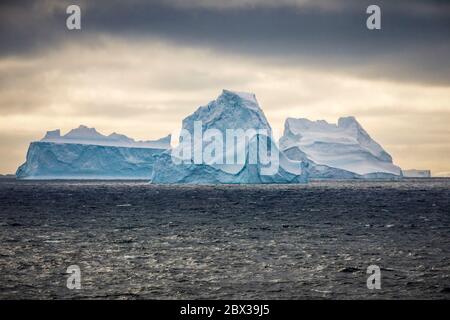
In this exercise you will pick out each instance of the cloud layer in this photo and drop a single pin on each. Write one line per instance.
(413, 44)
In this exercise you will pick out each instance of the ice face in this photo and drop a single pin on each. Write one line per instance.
(48, 160)
(346, 146)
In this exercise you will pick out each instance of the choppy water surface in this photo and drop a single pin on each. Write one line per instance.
(135, 240)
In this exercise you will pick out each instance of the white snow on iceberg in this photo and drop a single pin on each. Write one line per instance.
(345, 146)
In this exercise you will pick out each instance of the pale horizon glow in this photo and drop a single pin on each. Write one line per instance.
(146, 88)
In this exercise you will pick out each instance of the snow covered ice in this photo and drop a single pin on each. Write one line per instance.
(337, 150)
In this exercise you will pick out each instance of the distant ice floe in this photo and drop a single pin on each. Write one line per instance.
(414, 173)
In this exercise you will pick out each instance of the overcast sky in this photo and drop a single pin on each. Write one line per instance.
(139, 67)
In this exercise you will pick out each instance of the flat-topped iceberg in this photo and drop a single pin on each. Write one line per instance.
(342, 150)
(414, 173)
(84, 153)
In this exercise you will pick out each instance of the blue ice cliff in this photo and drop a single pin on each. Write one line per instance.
(84, 153)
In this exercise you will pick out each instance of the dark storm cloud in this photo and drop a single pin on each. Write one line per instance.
(413, 45)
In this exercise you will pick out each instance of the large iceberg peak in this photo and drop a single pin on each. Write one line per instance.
(248, 99)
(231, 110)
(236, 116)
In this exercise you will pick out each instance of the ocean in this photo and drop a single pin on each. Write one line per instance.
(134, 240)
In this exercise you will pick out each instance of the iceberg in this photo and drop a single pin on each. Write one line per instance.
(84, 153)
(234, 112)
(338, 151)
(414, 173)
(229, 140)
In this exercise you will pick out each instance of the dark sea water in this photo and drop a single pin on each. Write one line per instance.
(134, 240)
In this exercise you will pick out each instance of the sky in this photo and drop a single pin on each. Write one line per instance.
(139, 67)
